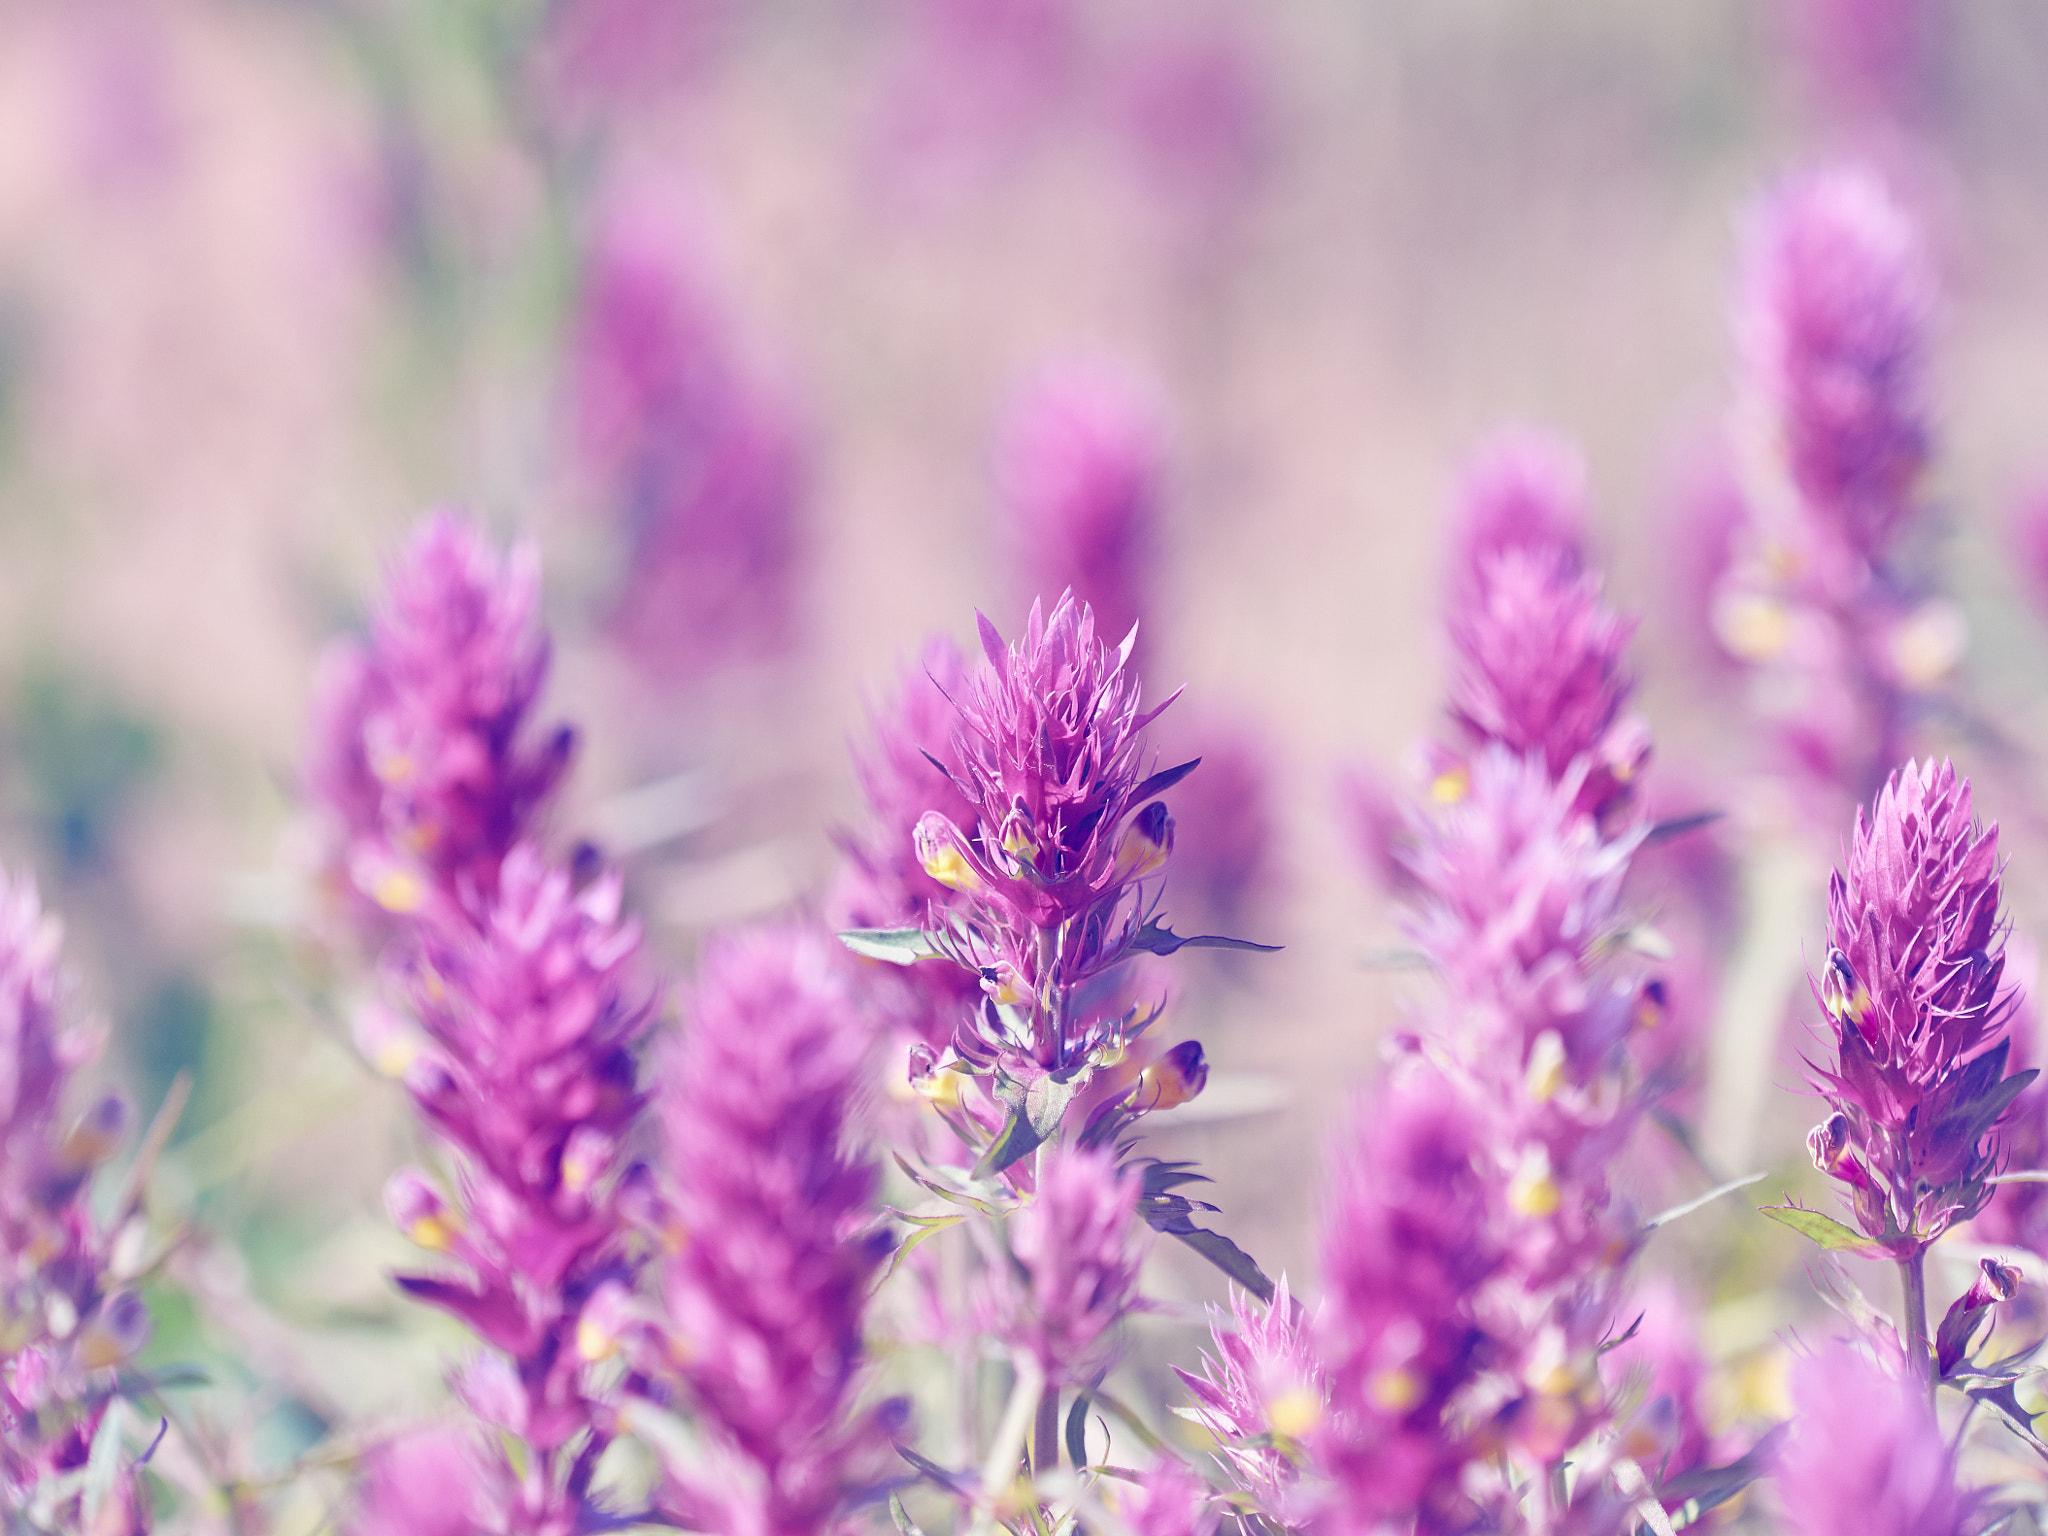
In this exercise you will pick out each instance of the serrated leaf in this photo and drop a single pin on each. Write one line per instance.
(1228, 1257)
(1824, 1230)
(898, 946)
(1157, 939)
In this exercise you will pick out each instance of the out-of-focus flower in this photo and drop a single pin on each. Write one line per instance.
(1166, 1500)
(1264, 1382)
(418, 759)
(2017, 1214)
(1913, 994)
(971, 86)
(1865, 62)
(1077, 1247)
(2027, 540)
(425, 1483)
(696, 456)
(529, 1076)
(883, 883)
(1661, 1360)
(1408, 1241)
(1068, 834)
(66, 1322)
(1079, 463)
(1224, 816)
(765, 1295)
(1836, 303)
(1195, 106)
(1867, 1456)
(1831, 435)
(1540, 658)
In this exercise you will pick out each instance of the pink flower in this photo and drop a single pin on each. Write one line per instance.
(1264, 1381)
(1867, 1457)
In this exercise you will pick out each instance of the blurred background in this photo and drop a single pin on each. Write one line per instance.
(738, 308)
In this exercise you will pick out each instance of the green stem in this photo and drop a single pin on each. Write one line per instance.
(1913, 1281)
(1045, 1440)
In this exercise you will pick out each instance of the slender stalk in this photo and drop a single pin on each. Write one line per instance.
(1045, 1440)
(1913, 1281)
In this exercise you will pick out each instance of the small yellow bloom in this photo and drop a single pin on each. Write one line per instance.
(1451, 786)
(399, 891)
(1546, 1067)
(1396, 1390)
(1752, 626)
(594, 1342)
(437, 1232)
(946, 864)
(1298, 1411)
(1532, 1191)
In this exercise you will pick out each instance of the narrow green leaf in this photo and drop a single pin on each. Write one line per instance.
(1231, 1259)
(904, 1524)
(1664, 1218)
(1157, 939)
(927, 1229)
(103, 1460)
(1018, 1140)
(1077, 1432)
(1824, 1230)
(898, 946)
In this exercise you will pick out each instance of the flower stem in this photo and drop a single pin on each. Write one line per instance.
(1045, 1442)
(1913, 1280)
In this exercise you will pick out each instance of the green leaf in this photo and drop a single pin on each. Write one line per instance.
(1824, 1230)
(904, 1524)
(898, 946)
(103, 1460)
(1077, 1431)
(1663, 1218)
(1018, 1140)
(1228, 1257)
(927, 1227)
(1708, 1487)
(957, 1196)
(1157, 939)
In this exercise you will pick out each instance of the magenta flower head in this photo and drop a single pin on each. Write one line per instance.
(529, 1076)
(429, 1482)
(759, 1112)
(1407, 1243)
(66, 1323)
(1167, 1500)
(1079, 465)
(1540, 658)
(1068, 830)
(883, 883)
(1260, 1392)
(1912, 990)
(1867, 1456)
(1075, 1248)
(1836, 302)
(697, 457)
(419, 758)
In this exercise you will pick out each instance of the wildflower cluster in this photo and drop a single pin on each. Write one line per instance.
(70, 1319)
(1832, 434)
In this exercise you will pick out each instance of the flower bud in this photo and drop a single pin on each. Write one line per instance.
(1147, 843)
(98, 1131)
(418, 1211)
(1175, 1078)
(115, 1332)
(937, 842)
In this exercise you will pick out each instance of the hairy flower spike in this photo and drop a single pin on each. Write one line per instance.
(1076, 1245)
(1540, 657)
(1079, 465)
(1867, 1457)
(766, 1293)
(1833, 317)
(1265, 1379)
(1913, 994)
(418, 756)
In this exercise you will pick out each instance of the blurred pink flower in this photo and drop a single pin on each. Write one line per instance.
(1080, 461)
(1867, 1456)
(1196, 107)
(697, 457)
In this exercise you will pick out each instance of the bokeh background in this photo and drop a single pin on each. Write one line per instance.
(277, 276)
